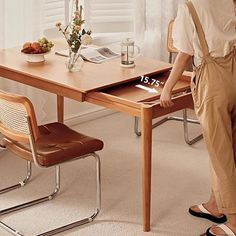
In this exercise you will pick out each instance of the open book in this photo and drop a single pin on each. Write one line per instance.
(95, 55)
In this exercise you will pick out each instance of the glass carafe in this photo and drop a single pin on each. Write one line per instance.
(128, 53)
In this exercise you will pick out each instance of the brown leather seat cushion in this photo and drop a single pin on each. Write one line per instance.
(57, 143)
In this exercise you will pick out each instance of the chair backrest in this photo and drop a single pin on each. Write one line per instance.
(170, 45)
(17, 117)
(169, 42)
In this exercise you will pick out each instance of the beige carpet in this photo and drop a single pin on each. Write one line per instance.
(180, 178)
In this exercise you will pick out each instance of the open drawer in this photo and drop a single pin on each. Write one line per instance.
(130, 96)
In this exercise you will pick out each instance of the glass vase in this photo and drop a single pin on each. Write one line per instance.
(74, 62)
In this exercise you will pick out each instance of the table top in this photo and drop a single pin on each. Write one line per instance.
(92, 77)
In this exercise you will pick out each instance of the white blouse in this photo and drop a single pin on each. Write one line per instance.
(218, 21)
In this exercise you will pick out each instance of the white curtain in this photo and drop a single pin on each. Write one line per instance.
(2, 27)
(151, 20)
(21, 22)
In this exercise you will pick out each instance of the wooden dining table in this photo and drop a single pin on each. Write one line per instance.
(108, 85)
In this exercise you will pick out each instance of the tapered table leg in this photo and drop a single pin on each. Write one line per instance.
(146, 143)
(60, 109)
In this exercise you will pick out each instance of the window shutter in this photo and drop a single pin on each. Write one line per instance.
(54, 11)
(109, 16)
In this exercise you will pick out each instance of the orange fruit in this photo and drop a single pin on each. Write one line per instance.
(35, 45)
(26, 45)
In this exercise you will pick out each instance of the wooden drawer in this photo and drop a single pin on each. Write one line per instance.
(129, 97)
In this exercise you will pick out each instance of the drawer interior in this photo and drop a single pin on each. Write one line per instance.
(139, 90)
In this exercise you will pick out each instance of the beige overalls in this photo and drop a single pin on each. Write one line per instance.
(214, 94)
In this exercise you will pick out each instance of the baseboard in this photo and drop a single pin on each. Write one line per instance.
(87, 116)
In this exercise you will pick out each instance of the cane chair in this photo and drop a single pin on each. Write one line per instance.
(172, 50)
(46, 146)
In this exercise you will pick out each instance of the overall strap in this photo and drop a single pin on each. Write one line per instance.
(199, 29)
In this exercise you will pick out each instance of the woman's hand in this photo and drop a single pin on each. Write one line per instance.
(181, 62)
(165, 99)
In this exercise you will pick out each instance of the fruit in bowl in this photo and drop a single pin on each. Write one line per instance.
(42, 46)
(35, 51)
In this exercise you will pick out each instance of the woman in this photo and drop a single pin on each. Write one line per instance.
(206, 31)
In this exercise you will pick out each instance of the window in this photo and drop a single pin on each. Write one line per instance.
(54, 11)
(108, 16)
(101, 16)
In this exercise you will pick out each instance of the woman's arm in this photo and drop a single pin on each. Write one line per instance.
(179, 66)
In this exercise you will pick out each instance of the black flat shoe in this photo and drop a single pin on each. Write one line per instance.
(207, 215)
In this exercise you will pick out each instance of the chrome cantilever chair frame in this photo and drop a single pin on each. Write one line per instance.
(53, 194)
(185, 121)
(171, 49)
